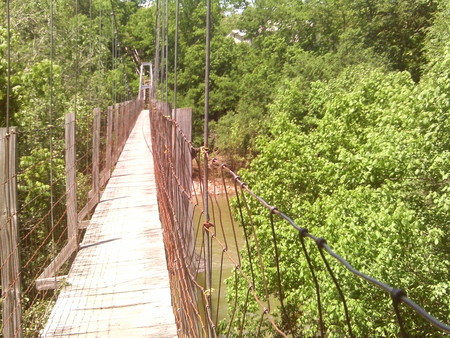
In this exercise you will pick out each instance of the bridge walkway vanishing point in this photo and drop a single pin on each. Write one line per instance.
(118, 285)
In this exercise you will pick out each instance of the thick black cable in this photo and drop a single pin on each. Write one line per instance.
(320, 242)
(277, 260)
(395, 296)
(316, 284)
(418, 309)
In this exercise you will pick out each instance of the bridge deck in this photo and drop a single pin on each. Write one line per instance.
(118, 285)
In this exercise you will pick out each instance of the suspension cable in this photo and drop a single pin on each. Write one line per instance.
(205, 145)
(91, 51)
(119, 49)
(175, 66)
(51, 85)
(77, 60)
(100, 64)
(156, 68)
(163, 42)
(8, 57)
(113, 56)
(167, 51)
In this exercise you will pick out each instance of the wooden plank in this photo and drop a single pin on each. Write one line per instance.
(42, 282)
(83, 224)
(9, 253)
(104, 177)
(87, 209)
(118, 285)
(71, 177)
(50, 283)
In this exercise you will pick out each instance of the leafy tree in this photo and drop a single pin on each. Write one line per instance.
(361, 167)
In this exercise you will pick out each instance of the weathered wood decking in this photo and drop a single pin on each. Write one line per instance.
(118, 285)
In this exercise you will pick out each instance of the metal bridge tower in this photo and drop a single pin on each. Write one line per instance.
(146, 81)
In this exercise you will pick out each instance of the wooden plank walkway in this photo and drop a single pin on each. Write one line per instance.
(118, 285)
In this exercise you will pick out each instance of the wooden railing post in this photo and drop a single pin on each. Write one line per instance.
(71, 179)
(109, 125)
(96, 155)
(127, 119)
(116, 133)
(183, 170)
(122, 126)
(9, 253)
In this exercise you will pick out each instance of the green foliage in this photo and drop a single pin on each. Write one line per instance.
(340, 106)
(364, 165)
(84, 74)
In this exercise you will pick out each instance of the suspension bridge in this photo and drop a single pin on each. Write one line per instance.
(139, 259)
(145, 235)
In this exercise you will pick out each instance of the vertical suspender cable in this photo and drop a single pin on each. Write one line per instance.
(119, 57)
(163, 44)
(175, 66)
(91, 52)
(99, 51)
(8, 53)
(118, 49)
(113, 57)
(52, 216)
(167, 50)
(77, 61)
(8, 94)
(205, 145)
(156, 68)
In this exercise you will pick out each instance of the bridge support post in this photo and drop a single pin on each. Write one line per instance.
(109, 125)
(96, 155)
(9, 253)
(116, 133)
(71, 179)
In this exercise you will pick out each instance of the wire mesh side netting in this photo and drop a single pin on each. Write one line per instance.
(229, 265)
(48, 189)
